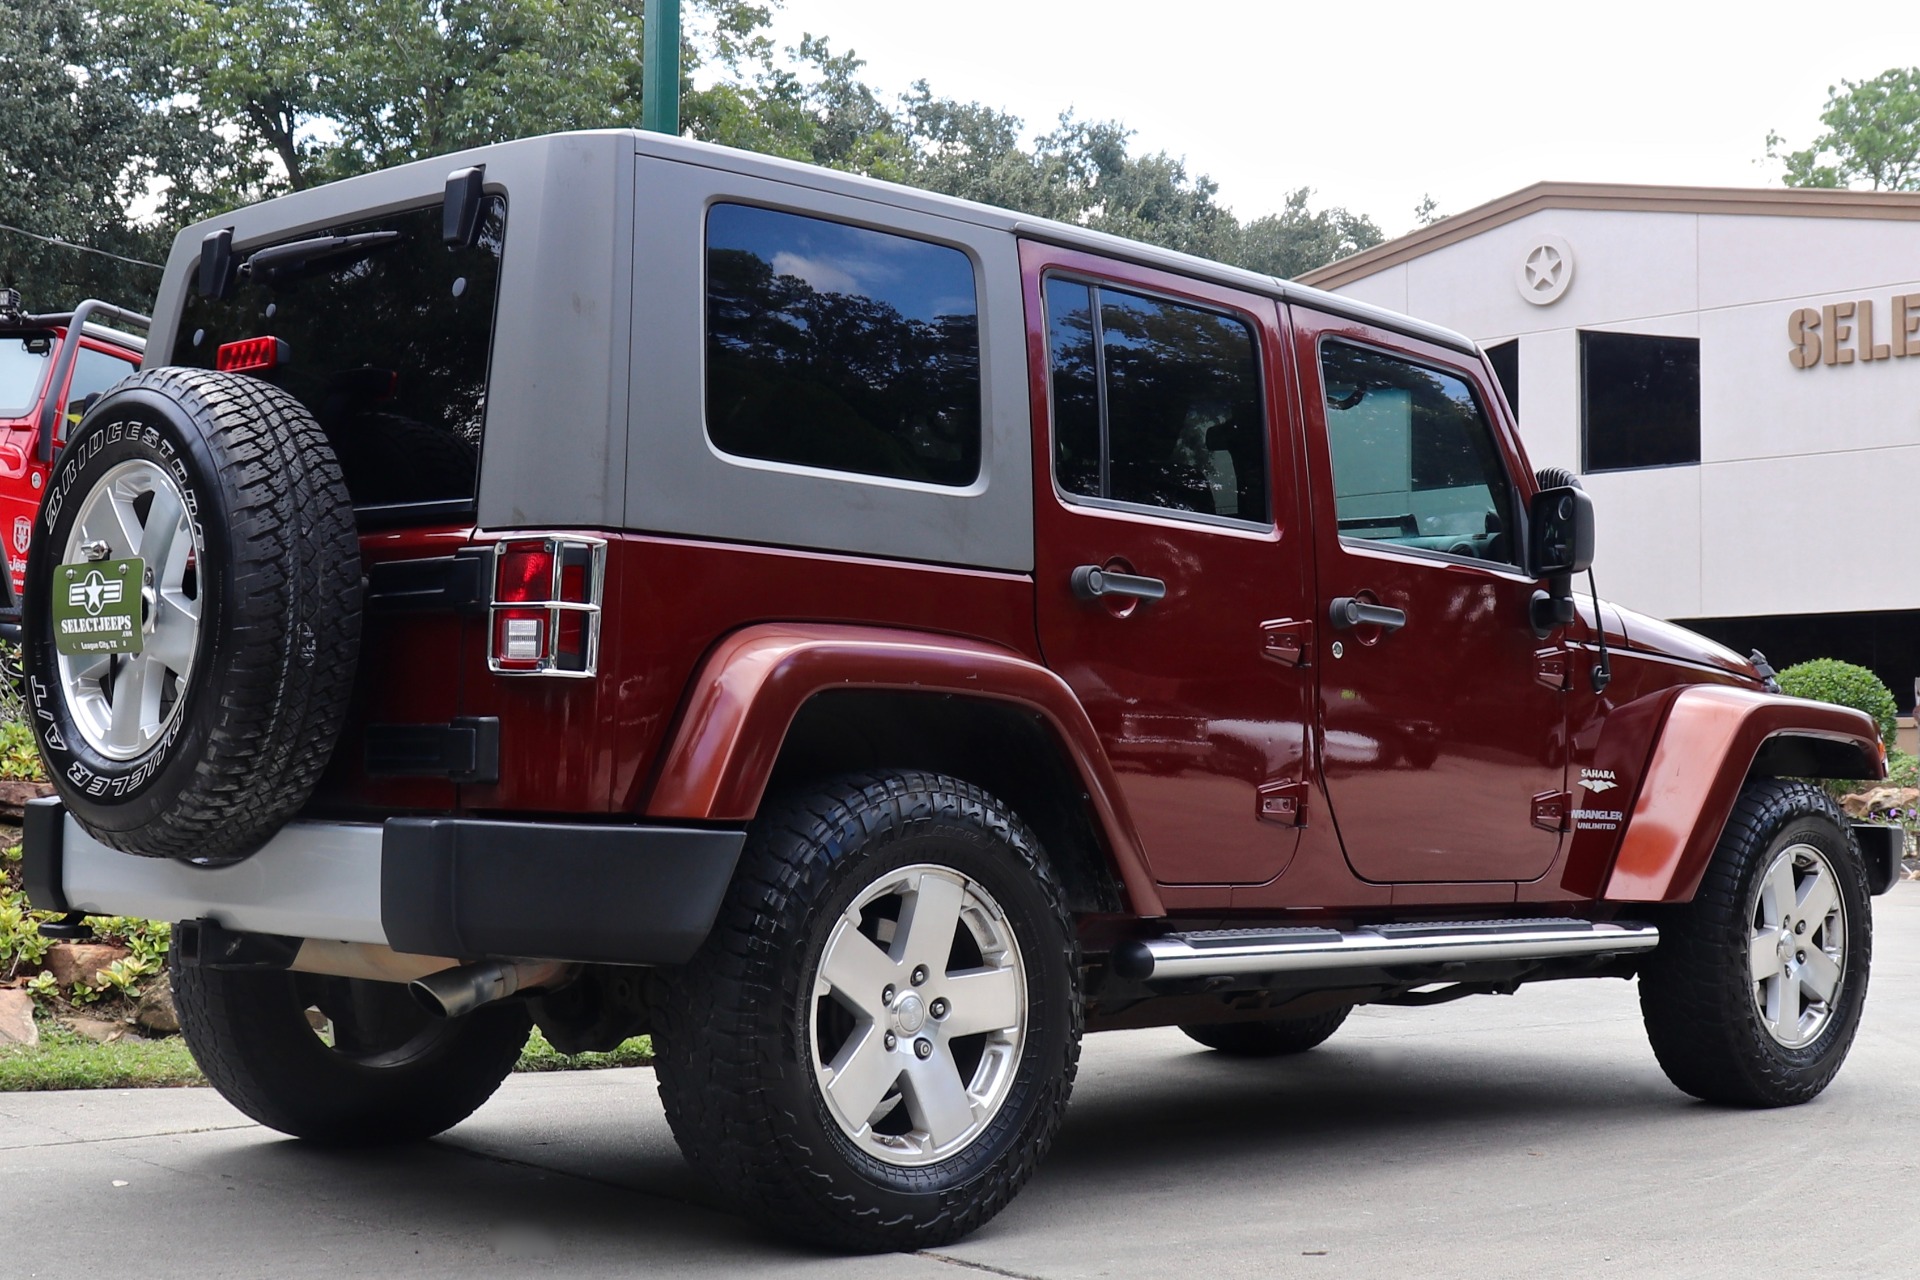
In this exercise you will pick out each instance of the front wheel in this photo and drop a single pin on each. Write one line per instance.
(342, 1061)
(876, 1044)
(1756, 990)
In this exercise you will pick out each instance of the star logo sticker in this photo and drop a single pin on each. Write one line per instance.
(1543, 268)
(94, 593)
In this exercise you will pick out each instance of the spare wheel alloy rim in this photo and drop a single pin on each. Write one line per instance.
(1797, 954)
(123, 704)
(919, 1014)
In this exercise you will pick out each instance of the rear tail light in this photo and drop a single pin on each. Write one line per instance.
(546, 606)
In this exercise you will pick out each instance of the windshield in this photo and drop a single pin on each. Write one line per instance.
(23, 366)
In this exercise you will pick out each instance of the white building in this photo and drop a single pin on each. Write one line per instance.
(1735, 374)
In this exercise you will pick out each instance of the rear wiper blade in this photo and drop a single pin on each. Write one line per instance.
(282, 260)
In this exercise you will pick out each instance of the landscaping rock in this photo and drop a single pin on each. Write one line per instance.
(77, 964)
(14, 797)
(16, 1019)
(155, 1011)
(1865, 804)
(98, 1030)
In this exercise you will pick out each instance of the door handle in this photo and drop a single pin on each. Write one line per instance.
(1348, 613)
(1091, 582)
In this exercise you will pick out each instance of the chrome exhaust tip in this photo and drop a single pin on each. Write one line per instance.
(453, 993)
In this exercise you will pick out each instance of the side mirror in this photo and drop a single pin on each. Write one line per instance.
(1559, 533)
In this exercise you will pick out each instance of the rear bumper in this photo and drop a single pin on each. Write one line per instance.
(430, 886)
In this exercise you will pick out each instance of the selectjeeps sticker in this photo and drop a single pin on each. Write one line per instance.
(96, 607)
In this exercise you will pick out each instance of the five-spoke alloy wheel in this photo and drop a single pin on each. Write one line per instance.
(876, 1044)
(1799, 951)
(920, 1012)
(123, 703)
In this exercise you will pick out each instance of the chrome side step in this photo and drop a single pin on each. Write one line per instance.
(1249, 952)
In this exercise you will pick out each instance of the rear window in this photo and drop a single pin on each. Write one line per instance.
(387, 347)
(23, 366)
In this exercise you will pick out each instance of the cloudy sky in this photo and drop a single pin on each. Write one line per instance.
(1377, 104)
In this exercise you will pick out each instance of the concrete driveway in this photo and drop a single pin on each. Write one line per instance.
(1530, 1135)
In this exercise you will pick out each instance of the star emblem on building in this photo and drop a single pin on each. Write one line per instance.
(1543, 267)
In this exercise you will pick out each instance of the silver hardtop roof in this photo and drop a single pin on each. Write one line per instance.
(304, 210)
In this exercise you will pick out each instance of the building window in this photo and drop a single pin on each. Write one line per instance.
(838, 347)
(1640, 400)
(1414, 458)
(1505, 359)
(1155, 403)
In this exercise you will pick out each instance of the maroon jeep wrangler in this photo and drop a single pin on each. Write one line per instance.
(866, 640)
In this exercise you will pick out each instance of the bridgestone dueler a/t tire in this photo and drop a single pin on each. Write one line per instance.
(278, 581)
(1696, 989)
(1269, 1039)
(731, 1031)
(393, 1074)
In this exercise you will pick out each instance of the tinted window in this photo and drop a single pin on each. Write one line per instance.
(388, 348)
(1155, 403)
(1640, 400)
(23, 363)
(1414, 458)
(93, 372)
(839, 347)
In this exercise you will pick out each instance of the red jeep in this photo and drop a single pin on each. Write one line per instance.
(51, 368)
(867, 639)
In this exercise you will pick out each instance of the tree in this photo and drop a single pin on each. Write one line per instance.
(86, 140)
(332, 88)
(1872, 137)
(291, 93)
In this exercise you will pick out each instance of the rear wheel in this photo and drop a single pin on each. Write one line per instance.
(1269, 1039)
(876, 1044)
(342, 1061)
(1757, 987)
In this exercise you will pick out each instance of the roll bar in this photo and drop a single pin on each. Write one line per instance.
(69, 351)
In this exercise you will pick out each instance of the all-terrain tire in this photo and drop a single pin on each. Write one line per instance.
(393, 1073)
(1269, 1039)
(275, 578)
(1707, 1025)
(735, 1045)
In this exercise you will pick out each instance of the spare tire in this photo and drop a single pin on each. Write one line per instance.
(192, 614)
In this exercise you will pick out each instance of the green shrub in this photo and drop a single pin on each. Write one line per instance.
(1843, 684)
(1903, 770)
(19, 756)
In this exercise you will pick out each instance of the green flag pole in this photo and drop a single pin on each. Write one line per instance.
(660, 105)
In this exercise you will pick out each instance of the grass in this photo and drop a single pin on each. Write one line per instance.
(64, 1060)
(541, 1056)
